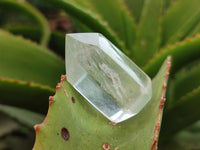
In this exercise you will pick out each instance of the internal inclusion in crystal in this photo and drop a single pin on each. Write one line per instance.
(104, 76)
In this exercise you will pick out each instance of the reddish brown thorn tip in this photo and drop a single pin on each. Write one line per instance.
(106, 146)
(187, 39)
(166, 75)
(65, 134)
(112, 123)
(154, 146)
(15, 80)
(162, 103)
(198, 34)
(28, 83)
(38, 84)
(37, 127)
(164, 86)
(58, 86)
(51, 100)
(63, 78)
(73, 100)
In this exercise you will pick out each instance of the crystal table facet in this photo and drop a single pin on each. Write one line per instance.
(104, 76)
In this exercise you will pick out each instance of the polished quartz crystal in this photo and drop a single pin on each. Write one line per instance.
(105, 77)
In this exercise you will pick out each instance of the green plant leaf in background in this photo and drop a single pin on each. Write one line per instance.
(25, 94)
(71, 118)
(143, 29)
(31, 62)
(135, 7)
(23, 116)
(182, 53)
(148, 32)
(182, 113)
(34, 13)
(124, 27)
(90, 19)
(179, 20)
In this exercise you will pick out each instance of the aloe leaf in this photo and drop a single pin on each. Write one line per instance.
(120, 20)
(27, 8)
(80, 27)
(71, 118)
(7, 125)
(195, 31)
(26, 61)
(182, 53)
(28, 32)
(25, 94)
(90, 19)
(23, 116)
(183, 81)
(135, 8)
(187, 139)
(181, 114)
(167, 3)
(148, 35)
(3, 145)
(56, 42)
(19, 140)
(180, 19)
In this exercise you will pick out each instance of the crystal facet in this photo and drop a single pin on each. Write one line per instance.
(104, 76)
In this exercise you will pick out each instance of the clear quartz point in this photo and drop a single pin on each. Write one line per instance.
(104, 76)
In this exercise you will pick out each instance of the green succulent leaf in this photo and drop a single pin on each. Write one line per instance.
(188, 139)
(56, 41)
(183, 81)
(89, 18)
(135, 8)
(34, 13)
(7, 125)
(21, 139)
(180, 19)
(168, 3)
(120, 21)
(182, 53)
(181, 114)
(23, 116)
(71, 118)
(195, 31)
(148, 35)
(25, 94)
(23, 60)
(28, 32)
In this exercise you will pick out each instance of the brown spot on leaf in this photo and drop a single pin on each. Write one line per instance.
(65, 134)
(73, 100)
(106, 146)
